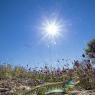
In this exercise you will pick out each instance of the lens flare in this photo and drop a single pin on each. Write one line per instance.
(51, 30)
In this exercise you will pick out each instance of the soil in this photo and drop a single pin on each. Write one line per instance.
(85, 92)
(56, 93)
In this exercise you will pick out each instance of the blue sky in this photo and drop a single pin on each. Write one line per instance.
(20, 42)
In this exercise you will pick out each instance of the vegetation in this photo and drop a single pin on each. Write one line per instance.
(82, 73)
(90, 50)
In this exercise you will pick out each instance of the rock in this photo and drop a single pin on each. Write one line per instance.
(4, 89)
(24, 88)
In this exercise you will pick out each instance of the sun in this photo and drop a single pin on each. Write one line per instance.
(51, 29)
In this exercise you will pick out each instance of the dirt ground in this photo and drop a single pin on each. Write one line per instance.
(56, 93)
(88, 92)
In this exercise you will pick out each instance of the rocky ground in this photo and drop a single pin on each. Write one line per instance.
(89, 92)
(12, 86)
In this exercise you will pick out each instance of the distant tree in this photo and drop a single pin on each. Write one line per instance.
(90, 50)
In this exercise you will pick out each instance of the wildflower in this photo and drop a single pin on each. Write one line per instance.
(83, 55)
(29, 69)
(76, 63)
(88, 66)
(46, 67)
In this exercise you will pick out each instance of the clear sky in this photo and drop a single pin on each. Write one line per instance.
(20, 36)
